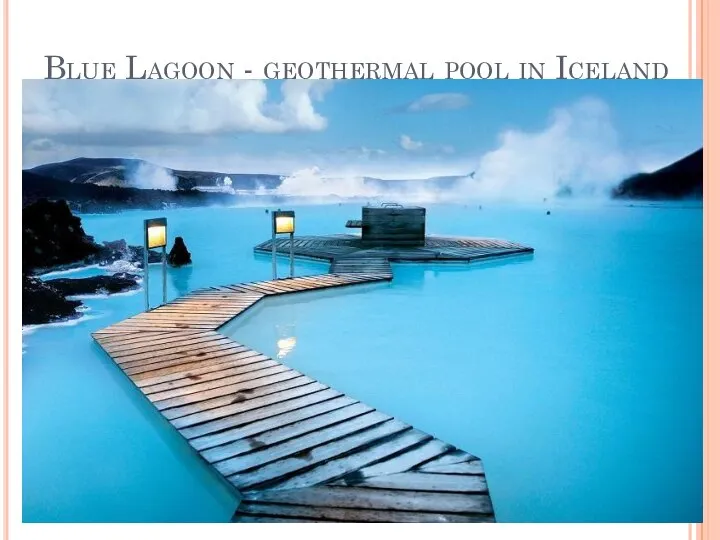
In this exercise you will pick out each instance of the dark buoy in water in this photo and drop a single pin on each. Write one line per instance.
(480, 207)
(267, 211)
(547, 213)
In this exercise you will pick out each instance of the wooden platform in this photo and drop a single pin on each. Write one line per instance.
(340, 249)
(293, 448)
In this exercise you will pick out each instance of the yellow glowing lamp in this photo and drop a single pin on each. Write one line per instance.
(284, 222)
(155, 233)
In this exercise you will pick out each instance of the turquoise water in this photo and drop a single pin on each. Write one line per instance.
(575, 373)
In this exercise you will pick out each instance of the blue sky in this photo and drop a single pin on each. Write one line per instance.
(662, 114)
(390, 128)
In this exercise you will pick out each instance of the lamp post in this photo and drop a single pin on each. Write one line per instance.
(283, 222)
(155, 233)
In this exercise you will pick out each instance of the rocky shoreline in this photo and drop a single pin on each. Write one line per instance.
(54, 240)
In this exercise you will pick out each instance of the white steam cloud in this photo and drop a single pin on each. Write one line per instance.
(148, 176)
(577, 153)
(311, 183)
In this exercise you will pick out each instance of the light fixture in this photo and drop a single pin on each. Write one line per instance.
(155, 232)
(283, 222)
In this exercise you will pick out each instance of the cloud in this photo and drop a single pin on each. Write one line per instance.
(406, 143)
(435, 102)
(158, 109)
(578, 148)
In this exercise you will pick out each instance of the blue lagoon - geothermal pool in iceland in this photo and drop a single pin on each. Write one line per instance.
(574, 373)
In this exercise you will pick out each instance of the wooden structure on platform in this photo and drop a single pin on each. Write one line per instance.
(292, 447)
(392, 225)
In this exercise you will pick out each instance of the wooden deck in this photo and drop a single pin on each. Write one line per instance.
(293, 448)
(338, 247)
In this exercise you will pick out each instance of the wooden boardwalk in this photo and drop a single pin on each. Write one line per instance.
(293, 448)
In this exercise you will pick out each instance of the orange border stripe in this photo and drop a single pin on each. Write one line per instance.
(6, 288)
(690, 38)
(703, 531)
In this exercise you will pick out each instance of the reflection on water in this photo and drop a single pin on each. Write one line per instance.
(181, 278)
(286, 340)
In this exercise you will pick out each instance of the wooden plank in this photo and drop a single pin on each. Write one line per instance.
(230, 436)
(223, 417)
(456, 456)
(249, 512)
(251, 519)
(243, 386)
(407, 460)
(301, 445)
(186, 362)
(467, 467)
(418, 481)
(296, 385)
(284, 433)
(352, 462)
(176, 370)
(376, 499)
(273, 407)
(181, 343)
(279, 473)
(209, 381)
(136, 337)
(163, 356)
(207, 370)
(142, 340)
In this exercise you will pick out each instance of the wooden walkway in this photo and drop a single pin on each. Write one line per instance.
(293, 448)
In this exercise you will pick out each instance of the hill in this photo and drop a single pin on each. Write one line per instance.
(91, 198)
(139, 173)
(680, 180)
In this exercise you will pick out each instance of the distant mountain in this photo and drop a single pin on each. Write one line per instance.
(138, 173)
(92, 198)
(680, 180)
(111, 184)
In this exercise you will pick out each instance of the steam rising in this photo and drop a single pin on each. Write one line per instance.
(148, 176)
(577, 153)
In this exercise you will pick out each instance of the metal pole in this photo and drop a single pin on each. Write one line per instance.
(164, 257)
(274, 255)
(147, 279)
(292, 254)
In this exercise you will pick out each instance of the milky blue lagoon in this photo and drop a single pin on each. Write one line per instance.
(575, 374)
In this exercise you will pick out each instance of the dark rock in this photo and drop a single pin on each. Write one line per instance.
(42, 303)
(680, 180)
(113, 284)
(52, 236)
(179, 254)
(54, 239)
